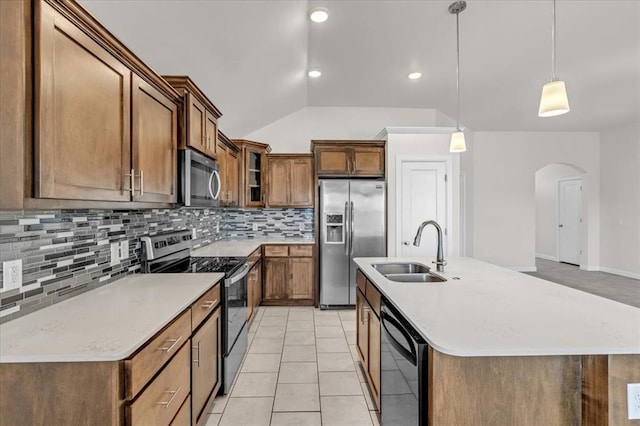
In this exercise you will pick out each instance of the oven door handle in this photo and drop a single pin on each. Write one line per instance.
(410, 355)
(240, 274)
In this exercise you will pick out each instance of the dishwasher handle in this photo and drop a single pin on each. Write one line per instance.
(409, 354)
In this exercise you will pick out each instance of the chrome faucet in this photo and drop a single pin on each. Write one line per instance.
(440, 262)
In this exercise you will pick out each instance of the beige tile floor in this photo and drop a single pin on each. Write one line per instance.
(301, 369)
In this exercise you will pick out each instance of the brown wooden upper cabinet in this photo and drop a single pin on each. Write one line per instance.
(228, 162)
(336, 158)
(105, 125)
(198, 117)
(252, 170)
(290, 180)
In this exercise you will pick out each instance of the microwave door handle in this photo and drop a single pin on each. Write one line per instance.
(410, 355)
(217, 176)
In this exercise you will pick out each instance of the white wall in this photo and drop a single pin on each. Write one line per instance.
(294, 132)
(546, 187)
(504, 167)
(430, 145)
(620, 201)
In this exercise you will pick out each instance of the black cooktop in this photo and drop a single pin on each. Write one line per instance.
(226, 265)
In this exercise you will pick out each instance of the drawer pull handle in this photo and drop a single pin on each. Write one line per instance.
(174, 343)
(197, 348)
(209, 304)
(173, 395)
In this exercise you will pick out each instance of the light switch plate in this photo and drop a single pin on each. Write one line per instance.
(633, 400)
(115, 254)
(255, 226)
(124, 249)
(11, 274)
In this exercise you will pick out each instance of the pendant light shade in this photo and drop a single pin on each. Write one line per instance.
(457, 138)
(457, 142)
(554, 100)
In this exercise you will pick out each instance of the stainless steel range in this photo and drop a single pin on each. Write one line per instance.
(170, 253)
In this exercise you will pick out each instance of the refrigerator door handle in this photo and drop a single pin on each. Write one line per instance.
(346, 231)
(351, 231)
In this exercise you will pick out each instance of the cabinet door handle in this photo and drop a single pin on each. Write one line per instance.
(197, 348)
(174, 343)
(132, 182)
(173, 395)
(209, 304)
(141, 183)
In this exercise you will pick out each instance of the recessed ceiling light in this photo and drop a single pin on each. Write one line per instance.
(319, 14)
(314, 73)
(414, 75)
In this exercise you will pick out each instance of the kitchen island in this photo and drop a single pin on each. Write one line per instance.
(508, 348)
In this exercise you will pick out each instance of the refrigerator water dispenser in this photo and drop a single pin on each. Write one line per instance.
(334, 232)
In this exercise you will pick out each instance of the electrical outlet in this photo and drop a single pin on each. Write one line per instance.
(301, 226)
(124, 249)
(11, 274)
(633, 400)
(255, 226)
(115, 254)
(194, 234)
(217, 227)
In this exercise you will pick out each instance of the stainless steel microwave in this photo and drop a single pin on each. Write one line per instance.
(199, 180)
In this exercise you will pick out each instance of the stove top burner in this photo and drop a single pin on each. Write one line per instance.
(226, 265)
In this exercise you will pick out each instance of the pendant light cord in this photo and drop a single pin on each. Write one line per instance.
(458, 69)
(553, 44)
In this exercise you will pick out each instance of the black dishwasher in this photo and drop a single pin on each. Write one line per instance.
(404, 375)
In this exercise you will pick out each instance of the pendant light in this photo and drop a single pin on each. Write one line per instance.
(554, 100)
(457, 138)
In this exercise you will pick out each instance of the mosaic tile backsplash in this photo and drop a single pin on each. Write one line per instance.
(65, 253)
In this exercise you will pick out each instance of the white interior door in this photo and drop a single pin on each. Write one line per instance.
(422, 196)
(569, 216)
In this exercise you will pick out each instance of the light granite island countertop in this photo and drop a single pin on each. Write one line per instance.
(505, 348)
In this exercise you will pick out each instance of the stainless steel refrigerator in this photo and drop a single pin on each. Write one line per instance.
(352, 224)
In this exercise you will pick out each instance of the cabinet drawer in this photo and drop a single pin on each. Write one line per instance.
(373, 296)
(160, 402)
(361, 282)
(183, 418)
(146, 363)
(276, 251)
(204, 306)
(301, 251)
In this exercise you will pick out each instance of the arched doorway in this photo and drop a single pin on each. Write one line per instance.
(561, 227)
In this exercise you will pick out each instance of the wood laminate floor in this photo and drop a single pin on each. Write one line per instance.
(614, 287)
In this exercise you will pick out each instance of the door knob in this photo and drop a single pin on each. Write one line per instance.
(406, 243)
(560, 226)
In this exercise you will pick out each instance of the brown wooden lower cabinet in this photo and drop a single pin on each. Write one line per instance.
(254, 283)
(288, 275)
(206, 349)
(171, 379)
(368, 335)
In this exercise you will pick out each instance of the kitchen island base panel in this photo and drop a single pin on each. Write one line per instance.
(527, 391)
(29, 397)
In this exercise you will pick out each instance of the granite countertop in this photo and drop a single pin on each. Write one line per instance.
(108, 323)
(492, 311)
(243, 247)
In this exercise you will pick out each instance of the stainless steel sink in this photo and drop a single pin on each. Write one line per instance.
(416, 278)
(400, 268)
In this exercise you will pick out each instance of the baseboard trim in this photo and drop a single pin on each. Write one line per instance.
(620, 272)
(523, 268)
(547, 257)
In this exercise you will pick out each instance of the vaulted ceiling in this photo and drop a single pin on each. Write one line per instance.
(251, 56)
